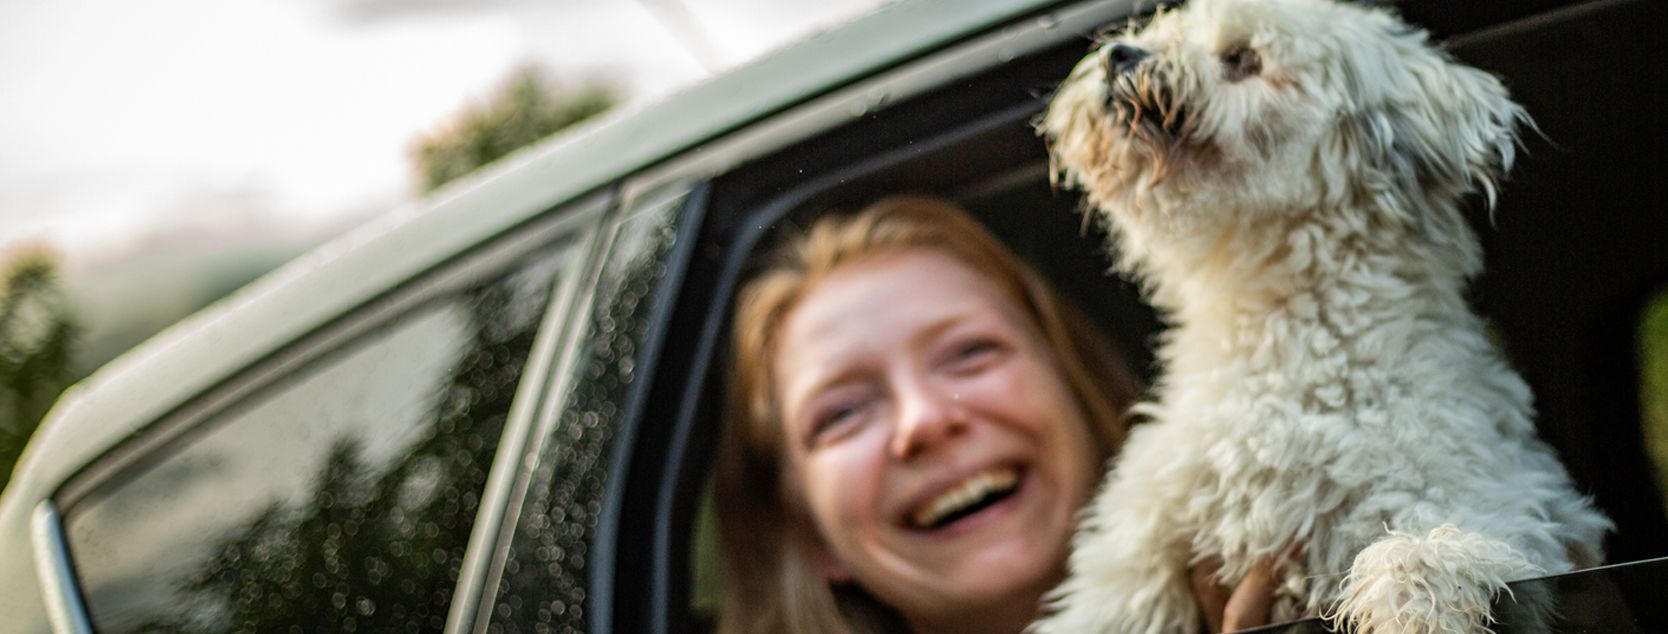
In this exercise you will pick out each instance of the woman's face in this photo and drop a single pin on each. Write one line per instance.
(934, 441)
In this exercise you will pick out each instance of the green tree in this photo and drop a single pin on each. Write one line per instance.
(37, 339)
(525, 109)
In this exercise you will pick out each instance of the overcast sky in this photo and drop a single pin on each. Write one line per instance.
(123, 121)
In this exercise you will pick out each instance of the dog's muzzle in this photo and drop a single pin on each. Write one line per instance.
(1139, 99)
(1121, 58)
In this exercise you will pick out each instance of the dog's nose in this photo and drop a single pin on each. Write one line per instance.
(1121, 58)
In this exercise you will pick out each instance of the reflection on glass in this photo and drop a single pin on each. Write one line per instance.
(339, 499)
(543, 588)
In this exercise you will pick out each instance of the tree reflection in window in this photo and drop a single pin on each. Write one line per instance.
(339, 500)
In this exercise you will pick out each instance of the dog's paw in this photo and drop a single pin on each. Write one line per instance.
(1438, 583)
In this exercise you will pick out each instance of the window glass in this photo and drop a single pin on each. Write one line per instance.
(339, 499)
(543, 588)
(1653, 385)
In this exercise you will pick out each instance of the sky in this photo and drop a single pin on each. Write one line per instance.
(131, 126)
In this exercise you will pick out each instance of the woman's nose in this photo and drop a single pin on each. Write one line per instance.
(927, 417)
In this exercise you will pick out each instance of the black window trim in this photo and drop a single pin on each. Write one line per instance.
(607, 549)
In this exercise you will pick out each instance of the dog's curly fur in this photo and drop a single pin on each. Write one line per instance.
(1286, 178)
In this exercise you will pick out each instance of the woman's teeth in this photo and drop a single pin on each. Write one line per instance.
(963, 499)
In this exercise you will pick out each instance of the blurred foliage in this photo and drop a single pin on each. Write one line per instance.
(37, 340)
(1653, 385)
(525, 109)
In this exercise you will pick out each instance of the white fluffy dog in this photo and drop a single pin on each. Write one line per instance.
(1286, 176)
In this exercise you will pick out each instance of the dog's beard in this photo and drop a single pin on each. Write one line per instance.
(1148, 109)
(1152, 117)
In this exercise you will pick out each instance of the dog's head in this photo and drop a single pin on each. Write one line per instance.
(1224, 112)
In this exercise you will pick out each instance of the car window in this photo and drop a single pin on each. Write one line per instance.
(545, 580)
(339, 498)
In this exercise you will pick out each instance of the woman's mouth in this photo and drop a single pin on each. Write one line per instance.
(972, 495)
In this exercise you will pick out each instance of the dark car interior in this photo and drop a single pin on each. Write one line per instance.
(1576, 248)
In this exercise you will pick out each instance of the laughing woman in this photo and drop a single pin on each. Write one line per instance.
(915, 420)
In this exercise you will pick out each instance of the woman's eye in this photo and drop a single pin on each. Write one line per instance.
(972, 354)
(1241, 61)
(976, 348)
(831, 419)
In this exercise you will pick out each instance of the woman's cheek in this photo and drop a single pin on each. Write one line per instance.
(1000, 386)
(846, 473)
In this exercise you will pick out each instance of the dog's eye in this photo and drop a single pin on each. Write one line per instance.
(1241, 61)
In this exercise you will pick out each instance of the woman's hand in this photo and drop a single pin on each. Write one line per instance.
(1247, 605)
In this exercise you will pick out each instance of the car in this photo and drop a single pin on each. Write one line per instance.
(494, 410)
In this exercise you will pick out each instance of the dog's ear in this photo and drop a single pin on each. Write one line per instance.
(1436, 128)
